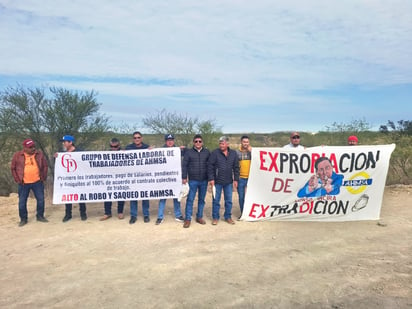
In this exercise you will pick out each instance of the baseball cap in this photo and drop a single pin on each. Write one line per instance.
(28, 143)
(352, 138)
(67, 138)
(169, 136)
(223, 139)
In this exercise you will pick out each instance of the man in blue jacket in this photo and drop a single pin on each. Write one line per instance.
(223, 174)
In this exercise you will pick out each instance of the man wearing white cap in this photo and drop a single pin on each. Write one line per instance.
(29, 169)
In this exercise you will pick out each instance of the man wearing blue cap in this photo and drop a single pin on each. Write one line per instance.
(170, 142)
(68, 146)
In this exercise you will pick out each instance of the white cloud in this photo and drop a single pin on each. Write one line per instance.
(265, 53)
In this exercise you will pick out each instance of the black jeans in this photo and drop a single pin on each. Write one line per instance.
(69, 209)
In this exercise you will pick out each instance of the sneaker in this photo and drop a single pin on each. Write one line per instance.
(146, 219)
(159, 221)
(42, 219)
(180, 219)
(67, 218)
(83, 216)
(23, 222)
(132, 220)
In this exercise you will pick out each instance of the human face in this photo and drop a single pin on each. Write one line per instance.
(324, 171)
(352, 143)
(170, 142)
(223, 145)
(114, 146)
(198, 143)
(245, 143)
(137, 139)
(295, 138)
(67, 146)
(29, 150)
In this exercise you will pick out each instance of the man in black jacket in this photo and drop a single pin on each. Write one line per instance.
(194, 167)
(223, 174)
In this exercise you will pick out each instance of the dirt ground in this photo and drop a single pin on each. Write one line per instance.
(112, 264)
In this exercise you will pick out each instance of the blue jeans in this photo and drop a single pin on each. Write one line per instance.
(145, 208)
(162, 205)
(227, 191)
(108, 207)
(194, 186)
(24, 190)
(241, 190)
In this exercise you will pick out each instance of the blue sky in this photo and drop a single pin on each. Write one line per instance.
(252, 66)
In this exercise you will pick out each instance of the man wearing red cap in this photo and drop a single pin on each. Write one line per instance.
(352, 140)
(29, 169)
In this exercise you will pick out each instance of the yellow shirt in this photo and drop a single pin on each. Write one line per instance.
(244, 162)
(31, 169)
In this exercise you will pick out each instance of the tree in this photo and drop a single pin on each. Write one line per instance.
(356, 125)
(47, 116)
(403, 127)
(184, 126)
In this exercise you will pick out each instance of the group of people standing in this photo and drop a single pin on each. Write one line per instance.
(219, 168)
(223, 169)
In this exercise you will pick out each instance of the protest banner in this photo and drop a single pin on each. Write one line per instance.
(342, 183)
(97, 176)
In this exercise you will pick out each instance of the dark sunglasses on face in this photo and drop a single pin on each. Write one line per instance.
(197, 141)
(114, 146)
(295, 137)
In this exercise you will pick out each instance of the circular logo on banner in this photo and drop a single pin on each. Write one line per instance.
(358, 189)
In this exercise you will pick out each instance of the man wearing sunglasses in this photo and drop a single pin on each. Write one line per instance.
(194, 168)
(294, 141)
(138, 144)
(114, 146)
(29, 169)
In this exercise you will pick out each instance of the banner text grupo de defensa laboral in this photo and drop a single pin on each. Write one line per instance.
(97, 176)
(326, 183)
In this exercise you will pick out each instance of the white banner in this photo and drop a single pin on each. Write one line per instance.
(317, 184)
(96, 176)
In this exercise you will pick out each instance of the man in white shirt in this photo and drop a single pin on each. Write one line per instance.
(294, 141)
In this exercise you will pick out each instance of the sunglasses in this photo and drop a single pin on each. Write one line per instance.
(117, 146)
(295, 137)
(197, 141)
